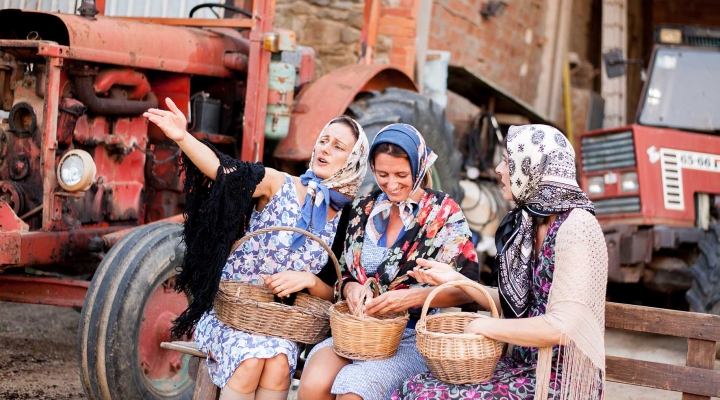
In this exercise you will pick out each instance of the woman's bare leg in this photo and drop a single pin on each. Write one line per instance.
(246, 377)
(319, 375)
(276, 374)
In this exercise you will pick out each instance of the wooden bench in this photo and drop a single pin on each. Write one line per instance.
(696, 380)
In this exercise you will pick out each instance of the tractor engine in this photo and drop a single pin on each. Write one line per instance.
(98, 151)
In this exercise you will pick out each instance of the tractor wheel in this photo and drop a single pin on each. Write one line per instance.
(127, 313)
(375, 110)
(704, 295)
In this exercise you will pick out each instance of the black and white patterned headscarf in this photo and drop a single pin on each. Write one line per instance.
(541, 163)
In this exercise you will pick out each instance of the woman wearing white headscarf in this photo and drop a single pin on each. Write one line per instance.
(219, 192)
(552, 272)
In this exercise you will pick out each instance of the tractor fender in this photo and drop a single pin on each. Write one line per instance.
(329, 97)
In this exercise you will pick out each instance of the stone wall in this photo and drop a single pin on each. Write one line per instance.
(331, 27)
(334, 27)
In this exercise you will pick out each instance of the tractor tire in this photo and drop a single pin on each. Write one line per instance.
(375, 110)
(704, 295)
(127, 313)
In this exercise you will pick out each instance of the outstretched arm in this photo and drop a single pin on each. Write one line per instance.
(173, 123)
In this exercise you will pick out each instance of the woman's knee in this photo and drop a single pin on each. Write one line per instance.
(319, 374)
(276, 373)
(246, 376)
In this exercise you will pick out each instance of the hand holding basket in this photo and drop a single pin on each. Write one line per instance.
(360, 337)
(251, 308)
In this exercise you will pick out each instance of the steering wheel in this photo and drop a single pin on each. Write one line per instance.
(225, 6)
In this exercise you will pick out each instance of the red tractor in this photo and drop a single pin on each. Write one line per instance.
(90, 194)
(656, 183)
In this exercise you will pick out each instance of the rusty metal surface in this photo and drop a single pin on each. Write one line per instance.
(107, 78)
(52, 212)
(50, 291)
(257, 83)
(329, 97)
(174, 49)
(42, 248)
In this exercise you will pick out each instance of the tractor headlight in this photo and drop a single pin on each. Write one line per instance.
(595, 185)
(629, 182)
(76, 170)
(669, 35)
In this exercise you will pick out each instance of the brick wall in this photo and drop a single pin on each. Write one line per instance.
(398, 28)
(505, 49)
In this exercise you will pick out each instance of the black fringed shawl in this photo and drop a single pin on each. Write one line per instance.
(216, 215)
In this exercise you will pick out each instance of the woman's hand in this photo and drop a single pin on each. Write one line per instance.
(354, 293)
(434, 273)
(475, 327)
(287, 282)
(388, 302)
(173, 123)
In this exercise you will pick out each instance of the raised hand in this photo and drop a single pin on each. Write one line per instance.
(173, 123)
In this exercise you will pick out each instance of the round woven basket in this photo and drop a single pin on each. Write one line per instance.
(359, 337)
(252, 308)
(452, 355)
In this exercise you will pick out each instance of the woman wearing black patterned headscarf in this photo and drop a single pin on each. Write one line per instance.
(552, 264)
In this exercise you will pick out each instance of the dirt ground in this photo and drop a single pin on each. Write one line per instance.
(38, 357)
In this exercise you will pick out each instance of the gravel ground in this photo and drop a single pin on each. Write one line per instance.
(38, 357)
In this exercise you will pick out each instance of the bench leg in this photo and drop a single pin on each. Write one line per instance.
(205, 389)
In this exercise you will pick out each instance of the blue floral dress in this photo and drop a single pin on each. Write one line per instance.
(267, 253)
(514, 377)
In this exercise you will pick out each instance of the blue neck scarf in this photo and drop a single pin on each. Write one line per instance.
(314, 211)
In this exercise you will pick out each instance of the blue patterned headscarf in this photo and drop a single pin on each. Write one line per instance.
(421, 159)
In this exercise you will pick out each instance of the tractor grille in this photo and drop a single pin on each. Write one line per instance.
(699, 41)
(606, 152)
(620, 205)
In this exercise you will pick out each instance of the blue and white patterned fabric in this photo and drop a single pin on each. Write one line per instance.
(377, 380)
(267, 253)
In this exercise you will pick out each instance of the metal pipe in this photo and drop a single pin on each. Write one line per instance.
(116, 104)
(236, 61)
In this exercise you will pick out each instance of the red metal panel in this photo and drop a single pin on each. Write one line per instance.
(257, 83)
(329, 97)
(52, 210)
(42, 248)
(694, 181)
(174, 49)
(10, 235)
(650, 140)
(50, 291)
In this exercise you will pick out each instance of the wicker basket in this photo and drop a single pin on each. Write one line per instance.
(251, 308)
(359, 337)
(452, 355)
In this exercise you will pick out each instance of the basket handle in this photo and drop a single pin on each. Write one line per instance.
(368, 282)
(296, 230)
(465, 282)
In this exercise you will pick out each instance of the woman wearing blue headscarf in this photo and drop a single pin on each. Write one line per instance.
(388, 230)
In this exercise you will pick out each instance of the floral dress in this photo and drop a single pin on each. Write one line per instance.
(514, 377)
(267, 253)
